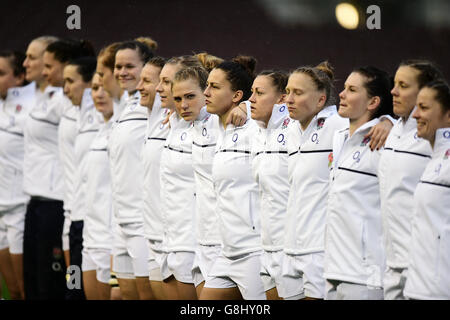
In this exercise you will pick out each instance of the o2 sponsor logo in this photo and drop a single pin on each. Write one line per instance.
(447, 134)
(204, 132)
(315, 138)
(282, 108)
(357, 156)
(183, 136)
(281, 139)
(235, 137)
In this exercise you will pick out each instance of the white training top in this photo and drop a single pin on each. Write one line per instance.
(401, 165)
(67, 131)
(155, 139)
(270, 170)
(429, 261)
(309, 178)
(178, 187)
(125, 147)
(238, 204)
(13, 113)
(97, 228)
(353, 242)
(87, 128)
(43, 176)
(204, 136)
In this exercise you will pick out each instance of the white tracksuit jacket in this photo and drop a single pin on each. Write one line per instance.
(429, 256)
(13, 114)
(238, 204)
(309, 179)
(270, 170)
(402, 163)
(156, 137)
(97, 228)
(178, 188)
(43, 175)
(204, 136)
(87, 128)
(125, 150)
(353, 240)
(67, 132)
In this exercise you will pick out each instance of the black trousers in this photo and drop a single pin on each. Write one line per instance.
(44, 267)
(76, 247)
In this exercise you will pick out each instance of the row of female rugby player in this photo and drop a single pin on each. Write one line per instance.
(193, 178)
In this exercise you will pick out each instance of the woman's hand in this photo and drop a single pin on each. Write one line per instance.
(379, 133)
(238, 116)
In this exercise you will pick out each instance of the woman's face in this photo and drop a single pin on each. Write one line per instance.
(188, 98)
(264, 96)
(74, 85)
(303, 99)
(219, 95)
(127, 69)
(102, 100)
(405, 90)
(34, 61)
(354, 100)
(110, 83)
(164, 87)
(7, 77)
(148, 83)
(429, 114)
(53, 70)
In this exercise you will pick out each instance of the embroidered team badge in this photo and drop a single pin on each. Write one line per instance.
(447, 154)
(365, 141)
(285, 123)
(330, 159)
(320, 123)
(18, 108)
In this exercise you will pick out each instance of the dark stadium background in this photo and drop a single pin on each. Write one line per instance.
(227, 28)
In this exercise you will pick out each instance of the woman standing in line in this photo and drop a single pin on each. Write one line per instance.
(176, 283)
(125, 146)
(354, 255)
(156, 135)
(177, 179)
(16, 100)
(44, 266)
(78, 75)
(235, 272)
(97, 229)
(270, 171)
(397, 180)
(429, 261)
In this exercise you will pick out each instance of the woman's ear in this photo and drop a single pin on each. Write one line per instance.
(374, 103)
(322, 100)
(237, 96)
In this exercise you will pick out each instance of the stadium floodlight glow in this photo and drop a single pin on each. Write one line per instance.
(347, 15)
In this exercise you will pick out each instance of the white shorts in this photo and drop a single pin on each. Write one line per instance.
(98, 260)
(12, 225)
(203, 261)
(155, 254)
(271, 271)
(179, 264)
(394, 283)
(66, 229)
(130, 251)
(339, 290)
(241, 272)
(303, 276)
